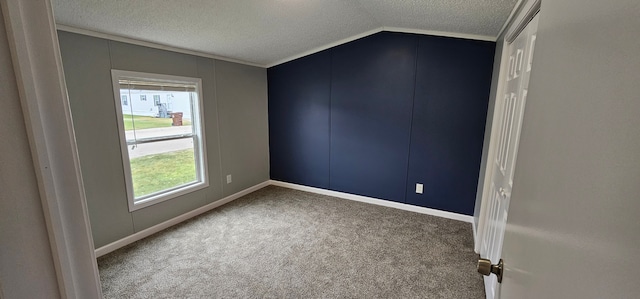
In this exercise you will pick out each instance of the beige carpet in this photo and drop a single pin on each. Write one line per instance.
(282, 243)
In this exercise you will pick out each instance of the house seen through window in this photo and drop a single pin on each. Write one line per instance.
(162, 141)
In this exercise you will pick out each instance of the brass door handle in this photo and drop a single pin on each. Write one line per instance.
(486, 268)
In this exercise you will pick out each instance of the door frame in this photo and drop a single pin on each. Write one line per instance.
(522, 13)
(35, 54)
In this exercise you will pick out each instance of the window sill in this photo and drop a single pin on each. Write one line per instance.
(167, 196)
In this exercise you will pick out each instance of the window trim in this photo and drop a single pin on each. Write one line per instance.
(200, 150)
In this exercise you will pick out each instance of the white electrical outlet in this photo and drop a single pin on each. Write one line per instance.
(419, 188)
(228, 179)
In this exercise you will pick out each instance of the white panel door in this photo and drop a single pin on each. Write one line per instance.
(514, 97)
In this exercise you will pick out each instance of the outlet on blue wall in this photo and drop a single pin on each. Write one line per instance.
(453, 81)
(375, 116)
(372, 85)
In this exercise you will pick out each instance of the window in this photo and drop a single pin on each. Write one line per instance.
(124, 100)
(163, 152)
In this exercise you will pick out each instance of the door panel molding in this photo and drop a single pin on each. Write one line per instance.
(508, 110)
(523, 12)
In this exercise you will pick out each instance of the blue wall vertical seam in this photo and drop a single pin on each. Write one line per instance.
(330, 98)
(415, 82)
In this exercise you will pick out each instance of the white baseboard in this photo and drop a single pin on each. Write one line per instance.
(375, 201)
(173, 221)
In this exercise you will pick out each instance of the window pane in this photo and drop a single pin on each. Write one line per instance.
(170, 112)
(161, 136)
(162, 165)
(141, 134)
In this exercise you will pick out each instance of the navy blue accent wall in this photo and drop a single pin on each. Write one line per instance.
(377, 115)
(299, 93)
(452, 92)
(372, 82)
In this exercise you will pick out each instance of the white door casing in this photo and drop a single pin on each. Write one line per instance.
(33, 43)
(511, 111)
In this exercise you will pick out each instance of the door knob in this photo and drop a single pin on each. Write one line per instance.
(486, 268)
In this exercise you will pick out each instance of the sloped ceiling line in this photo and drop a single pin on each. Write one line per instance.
(269, 32)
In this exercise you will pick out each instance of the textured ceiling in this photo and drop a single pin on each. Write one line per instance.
(266, 32)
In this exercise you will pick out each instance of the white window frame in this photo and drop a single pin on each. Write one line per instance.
(199, 144)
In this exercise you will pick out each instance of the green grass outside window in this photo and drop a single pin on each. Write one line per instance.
(159, 172)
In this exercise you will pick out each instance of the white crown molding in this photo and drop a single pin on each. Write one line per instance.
(138, 42)
(325, 47)
(380, 29)
(441, 33)
(375, 201)
(154, 45)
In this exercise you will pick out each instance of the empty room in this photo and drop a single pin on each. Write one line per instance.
(319, 149)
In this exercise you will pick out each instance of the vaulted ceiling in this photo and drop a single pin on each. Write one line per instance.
(267, 32)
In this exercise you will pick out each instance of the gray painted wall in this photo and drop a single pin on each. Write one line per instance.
(235, 116)
(576, 195)
(26, 262)
(242, 94)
